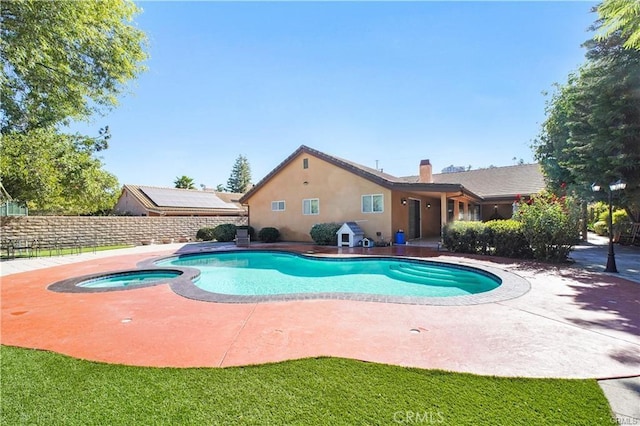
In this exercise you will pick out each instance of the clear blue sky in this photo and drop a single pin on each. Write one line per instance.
(456, 82)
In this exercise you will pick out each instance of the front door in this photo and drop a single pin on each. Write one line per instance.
(414, 219)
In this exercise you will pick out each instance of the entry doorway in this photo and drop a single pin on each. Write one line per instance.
(414, 230)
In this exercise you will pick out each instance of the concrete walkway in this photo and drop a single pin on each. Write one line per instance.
(592, 256)
(623, 394)
(575, 322)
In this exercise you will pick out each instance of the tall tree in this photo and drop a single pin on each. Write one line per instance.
(55, 173)
(622, 16)
(240, 178)
(62, 61)
(184, 182)
(592, 130)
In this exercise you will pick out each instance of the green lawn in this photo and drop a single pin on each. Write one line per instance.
(54, 252)
(46, 388)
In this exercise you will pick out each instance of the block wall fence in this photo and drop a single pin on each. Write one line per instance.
(89, 231)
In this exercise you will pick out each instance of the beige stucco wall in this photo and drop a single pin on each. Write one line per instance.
(429, 217)
(128, 204)
(339, 193)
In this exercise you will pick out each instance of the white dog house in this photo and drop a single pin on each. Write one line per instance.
(349, 234)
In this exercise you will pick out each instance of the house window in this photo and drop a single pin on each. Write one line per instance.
(311, 206)
(372, 203)
(277, 206)
(305, 163)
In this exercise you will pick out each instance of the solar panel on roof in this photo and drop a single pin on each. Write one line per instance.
(167, 197)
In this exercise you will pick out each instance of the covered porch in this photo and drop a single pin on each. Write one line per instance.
(422, 214)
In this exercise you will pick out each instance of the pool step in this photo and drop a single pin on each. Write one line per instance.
(442, 281)
(436, 273)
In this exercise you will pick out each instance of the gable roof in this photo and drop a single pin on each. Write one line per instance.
(383, 179)
(185, 201)
(485, 184)
(351, 226)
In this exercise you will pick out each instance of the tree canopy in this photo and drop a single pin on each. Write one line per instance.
(622, 16)
(184, 182)
(65, 60)
(592, 130)
(62, 61)
(240, 178)
(55, 173)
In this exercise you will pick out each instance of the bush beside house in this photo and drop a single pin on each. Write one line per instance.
(225, 232)
(324, 234)
(545, 228)
(205, 234)
(497, 237)
(269, 235)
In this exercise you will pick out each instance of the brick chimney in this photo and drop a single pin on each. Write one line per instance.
(425, 172)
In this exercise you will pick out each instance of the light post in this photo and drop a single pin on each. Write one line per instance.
(611, 257)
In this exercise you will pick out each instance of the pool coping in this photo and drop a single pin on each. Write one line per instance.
(512, 285)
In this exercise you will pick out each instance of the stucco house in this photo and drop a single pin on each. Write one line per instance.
(139, 200)
(311, 187)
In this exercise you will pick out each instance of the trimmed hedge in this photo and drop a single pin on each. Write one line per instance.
(507, 239)
(225, 232)
(324, 234)
(465, 237)
(269, 235)
(545, 228)
(498, 238)
(205, 234)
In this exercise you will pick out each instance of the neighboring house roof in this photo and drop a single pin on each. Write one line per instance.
(496, 182)
(176, 201)
(383, 179)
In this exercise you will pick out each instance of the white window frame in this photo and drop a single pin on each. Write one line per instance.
(277, 206)
(371, 197)
(309, 202)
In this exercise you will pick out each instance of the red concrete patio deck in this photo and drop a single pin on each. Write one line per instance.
(571, 323)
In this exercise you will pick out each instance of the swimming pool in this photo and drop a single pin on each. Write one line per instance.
(268, 273)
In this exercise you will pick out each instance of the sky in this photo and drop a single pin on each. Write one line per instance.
(383, 84)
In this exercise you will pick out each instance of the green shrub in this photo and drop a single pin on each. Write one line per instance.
(621, 223)
(324, 234)
(550, 225)
(225, 232)
(593, 213)
(464, 237)
(205, 234)
(507, 239)
(269, 235)
(601, 227)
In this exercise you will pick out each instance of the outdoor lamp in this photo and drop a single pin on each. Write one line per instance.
(619, 185)
(403, 201)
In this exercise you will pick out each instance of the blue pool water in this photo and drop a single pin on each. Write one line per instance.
(126, 279)
(271, 273)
